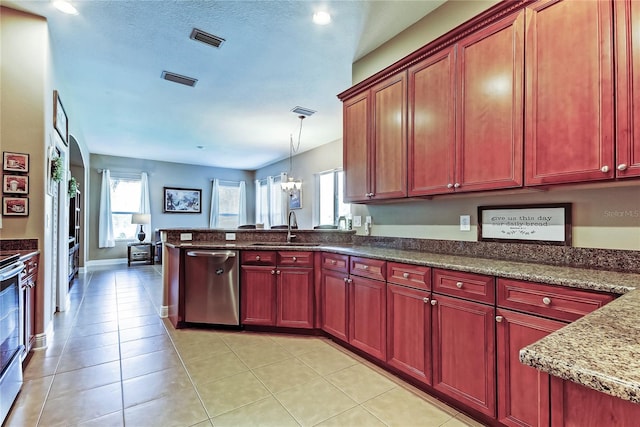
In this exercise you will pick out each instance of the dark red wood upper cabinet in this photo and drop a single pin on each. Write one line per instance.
(628, 88)
(356, 129)
(569, 111)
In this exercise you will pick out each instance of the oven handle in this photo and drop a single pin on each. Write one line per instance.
(11, 271)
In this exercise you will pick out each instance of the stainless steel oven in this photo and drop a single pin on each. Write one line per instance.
(11, 346)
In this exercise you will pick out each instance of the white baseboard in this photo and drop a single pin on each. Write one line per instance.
(104, 262)
(40, 340)
(164, 311)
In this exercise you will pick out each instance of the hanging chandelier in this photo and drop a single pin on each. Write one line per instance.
(292, 184)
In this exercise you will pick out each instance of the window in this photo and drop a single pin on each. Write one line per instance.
(125, 200)
(330, 196)
(228, 204)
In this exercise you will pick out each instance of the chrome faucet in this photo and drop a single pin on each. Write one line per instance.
(289, 226)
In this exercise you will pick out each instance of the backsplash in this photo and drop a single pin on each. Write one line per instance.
(18, 244)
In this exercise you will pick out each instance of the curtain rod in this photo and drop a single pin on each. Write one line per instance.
(117, 171)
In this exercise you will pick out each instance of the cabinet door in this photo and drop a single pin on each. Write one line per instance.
(388, 157)
(367, 316)
(628, 88)
(356, 148)
(463, 343)
(489, 117)
(258, 295)
(409, 331)
(334, 300)
(432, 124)
(175, 292)
(569, 92)
(295, 297)
(520, 385)
(573, 405)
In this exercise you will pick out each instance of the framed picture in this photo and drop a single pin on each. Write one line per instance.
(15, 162)
(15, 206)
(546, 224)
(60, 120)
(182, 200)
(295, 199)
(17, 184)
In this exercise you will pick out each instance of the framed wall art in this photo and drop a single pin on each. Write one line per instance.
(15, 206)
(547, 224)
(295, 199)
(60, 119)
(182, 200)
(15, 162)
(16, 184)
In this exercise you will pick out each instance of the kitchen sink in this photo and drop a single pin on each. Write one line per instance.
(284, 244)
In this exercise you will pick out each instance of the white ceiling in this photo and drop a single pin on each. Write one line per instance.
(109, 58)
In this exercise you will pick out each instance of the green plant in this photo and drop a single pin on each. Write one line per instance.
(73, 188)
(56, 169)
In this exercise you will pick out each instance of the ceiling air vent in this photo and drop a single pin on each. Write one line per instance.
(301, 111)
(206, 38)
(177, 78)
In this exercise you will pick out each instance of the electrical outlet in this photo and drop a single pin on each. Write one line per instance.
(230, 236)
(357, 221)
(368, 219)
(465, 222)
(186, 236)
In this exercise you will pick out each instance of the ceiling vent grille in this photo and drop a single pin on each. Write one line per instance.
(177, 78)
(301, 111)
(206, 38)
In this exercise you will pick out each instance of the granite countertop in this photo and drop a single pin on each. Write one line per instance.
(24, 253)
(600, 350)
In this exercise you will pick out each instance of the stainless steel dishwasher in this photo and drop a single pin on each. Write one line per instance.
(212, 287)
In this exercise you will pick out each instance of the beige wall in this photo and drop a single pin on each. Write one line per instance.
(603, 217)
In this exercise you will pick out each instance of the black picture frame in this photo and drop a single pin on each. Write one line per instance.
(182, 200)
(60, 119)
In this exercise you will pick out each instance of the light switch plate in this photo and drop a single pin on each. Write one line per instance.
(230, 236)
(357, 221)
(465, 222)
(186, 236)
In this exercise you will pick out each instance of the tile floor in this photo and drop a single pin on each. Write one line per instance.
(113, 362)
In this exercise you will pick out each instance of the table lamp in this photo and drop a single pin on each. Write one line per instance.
(141, 218)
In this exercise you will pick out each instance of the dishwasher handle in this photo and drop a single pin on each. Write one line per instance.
(218, 256)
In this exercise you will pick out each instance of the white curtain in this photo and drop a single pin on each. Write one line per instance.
(242, 208)
(145, 204)
(215, 210)
(258, 201)
(105, 222)
(277, 209)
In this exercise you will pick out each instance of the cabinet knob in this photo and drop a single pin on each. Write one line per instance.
(425, 299)
(273, 272)
(546, 301)
(366, 267)
(333, 262)
(622, 167)
(604, 169)
(345, 279)
(459, 285)
(449, 185)
(433, 302)
(405, 275)
(499, 319)
(349, 280)
(257, 257)
(277, 271)
(456, 185)
(294, 259)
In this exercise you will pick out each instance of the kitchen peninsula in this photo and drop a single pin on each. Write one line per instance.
(489, 283)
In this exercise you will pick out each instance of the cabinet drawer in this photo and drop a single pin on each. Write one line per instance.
(258, 258)
(547, 300)
(409, 275)
(365, 267)
(295, 259)
(475, 287)
(335, 262)
(31, 265)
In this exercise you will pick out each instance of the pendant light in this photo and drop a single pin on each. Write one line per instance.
(292, 184)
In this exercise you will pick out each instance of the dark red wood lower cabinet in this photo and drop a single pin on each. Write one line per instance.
(334, 300)
(258, 295)
(295, 297)
(409, 331)
(464, 359)
(367, 316)
(523, 391)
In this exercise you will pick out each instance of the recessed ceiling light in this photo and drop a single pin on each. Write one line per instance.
(321, 18)
(65, 7)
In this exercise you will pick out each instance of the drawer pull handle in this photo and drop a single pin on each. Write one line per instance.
(459, 285)
(546, 301)
(405, 275)
(433, 302)
(426, 300)
(499, 319)
(294, 259)
(257, 257)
